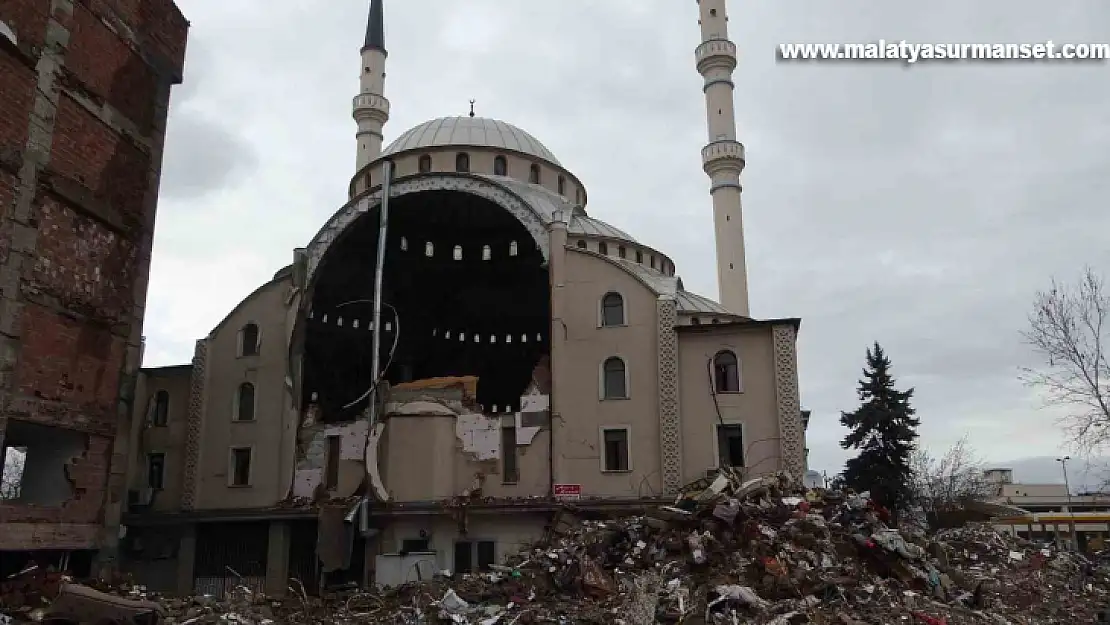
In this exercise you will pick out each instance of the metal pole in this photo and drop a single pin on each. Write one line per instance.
(379, 271)
(1071, 513)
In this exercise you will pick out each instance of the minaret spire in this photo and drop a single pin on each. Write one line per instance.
(723, 157)
(371, 109)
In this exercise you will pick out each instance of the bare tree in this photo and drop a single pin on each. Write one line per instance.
(1069, 328)
(951, 481)
(11, 473)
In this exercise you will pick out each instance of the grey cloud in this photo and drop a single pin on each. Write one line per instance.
(201, 157)
(921, 206)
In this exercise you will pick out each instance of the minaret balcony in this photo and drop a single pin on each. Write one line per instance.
(372, 106)
(723, 154)
(715, 53)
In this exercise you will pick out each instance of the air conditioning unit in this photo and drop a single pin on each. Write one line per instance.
(140, 496)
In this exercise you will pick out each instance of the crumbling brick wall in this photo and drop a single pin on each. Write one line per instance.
(84, 92)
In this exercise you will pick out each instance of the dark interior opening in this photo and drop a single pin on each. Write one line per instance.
(465, 292)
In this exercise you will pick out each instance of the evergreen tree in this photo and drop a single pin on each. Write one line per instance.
(883, 429)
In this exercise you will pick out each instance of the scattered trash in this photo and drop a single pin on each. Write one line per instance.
(727, 552)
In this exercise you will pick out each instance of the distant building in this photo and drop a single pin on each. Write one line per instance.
(1050, 510)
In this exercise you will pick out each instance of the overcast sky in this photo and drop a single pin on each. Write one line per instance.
(918, 206)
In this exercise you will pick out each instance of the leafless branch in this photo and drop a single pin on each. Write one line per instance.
(948, 482)
(1068, 327)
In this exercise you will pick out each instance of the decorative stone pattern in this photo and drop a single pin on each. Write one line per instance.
(791, 436)
(194, 426)
(518, 207)
(669, 432)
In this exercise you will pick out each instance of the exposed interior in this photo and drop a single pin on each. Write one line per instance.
(34, 463)
(465, 293)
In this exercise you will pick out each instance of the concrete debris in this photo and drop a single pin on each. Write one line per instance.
(726, 552)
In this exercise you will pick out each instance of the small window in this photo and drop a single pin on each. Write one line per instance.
(534, 174)
(240, 466)
(457, 252)
(244, 402)
(603, 248)
(612, 310)
(486, 253)
(613, 379)
(726, 372)
(482, 552)
(639, 257)
(248, 340)
(730, 445)
(562, 185)
(510, 471)
(577, 195)
(513, 248)
(425, 163)
(616, 449)
(156, 471)
(415, 545)
(500, 166)
(161, 413)
(651, 261)
(462, 162)
(621, 251)
(429, 249)
(331, 475)
(404, 244)
(581, 244)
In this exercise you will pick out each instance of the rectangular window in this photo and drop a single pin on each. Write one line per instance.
(331, 477)
(468, 553)
(241, 466)
(510, 471)
(615, 444)
(415, 545)
(156, 470)
(730, 445)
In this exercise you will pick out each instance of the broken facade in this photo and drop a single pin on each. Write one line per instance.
(84, 90)
(530, 354)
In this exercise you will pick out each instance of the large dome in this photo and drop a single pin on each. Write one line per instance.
(470, 131)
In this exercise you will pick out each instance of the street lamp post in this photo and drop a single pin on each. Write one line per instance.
(1071, 513)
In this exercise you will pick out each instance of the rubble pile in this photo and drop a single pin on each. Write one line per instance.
(761, 551)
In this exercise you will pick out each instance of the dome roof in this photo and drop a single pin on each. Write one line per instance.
(470, 131)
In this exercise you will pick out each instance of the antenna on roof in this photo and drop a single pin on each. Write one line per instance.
(472, 108)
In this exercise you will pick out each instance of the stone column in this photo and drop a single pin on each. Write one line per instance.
(277, 559)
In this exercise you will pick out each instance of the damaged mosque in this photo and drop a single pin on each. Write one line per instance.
(523, 354)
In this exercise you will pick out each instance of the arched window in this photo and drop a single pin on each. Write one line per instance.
(500, 166)
(486, 253)
(562, 184)
(581, 244)
(639, 257)
(621, 251)
(513, 248)
(429, 249)
(462, 162)
(577, 195)
(613, 379)
(248, 340)
(404, 244)
(726, 372)
(244, 402)
(534, 174)
(160, 413)
(612, 310)
(425, 163)
(603, 248)
(457, 253)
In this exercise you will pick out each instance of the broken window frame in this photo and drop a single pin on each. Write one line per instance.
(250, 339)
(614, 370)
(233, 466)
(160, 409)
(723, 433)
(510, 460)
(612, 310)
(726, 372)
(476, 559)
(239, 403)
(153, 459)
(619, 445)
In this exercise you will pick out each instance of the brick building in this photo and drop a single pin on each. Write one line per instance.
(84, 92)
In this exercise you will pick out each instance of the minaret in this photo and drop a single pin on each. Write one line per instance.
(723, 157)
(371, 109)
